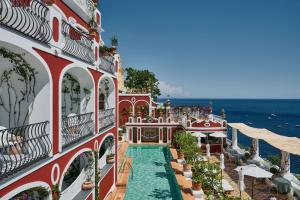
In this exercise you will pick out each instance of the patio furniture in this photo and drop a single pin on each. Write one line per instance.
(270, 185)
(283, 185)
(255, 172)
(226, 186)
(255, 162)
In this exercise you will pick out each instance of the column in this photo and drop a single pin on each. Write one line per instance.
(285, 164)
(234, 144)
(129, 134)
(139, 135)
(169, 135)
(255, 149)
(160, 135)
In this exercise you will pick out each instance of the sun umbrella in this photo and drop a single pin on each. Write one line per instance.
(255, 172)
(199, 135)
(207, 150)
(222, 164)
(241, 184)
(219, 135)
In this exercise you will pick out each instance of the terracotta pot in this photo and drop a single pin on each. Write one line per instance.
(93, 32)
(187, 167)
(49, 2)
(180, 155)
(87, 185)
(55, 195)
(113, 51)
(110, 159)
(197, 186)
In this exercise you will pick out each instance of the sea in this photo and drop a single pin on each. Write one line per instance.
(277, 115)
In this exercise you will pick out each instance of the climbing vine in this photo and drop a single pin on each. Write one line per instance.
(97, 175)
(18, 84)
(72, 87)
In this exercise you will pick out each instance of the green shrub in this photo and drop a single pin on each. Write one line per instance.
(274, 159)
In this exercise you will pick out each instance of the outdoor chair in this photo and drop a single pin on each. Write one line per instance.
(271, 185)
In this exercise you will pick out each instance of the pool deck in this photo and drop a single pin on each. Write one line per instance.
(119, 192)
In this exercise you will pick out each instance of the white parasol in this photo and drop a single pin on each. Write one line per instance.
(255, 172)
(199, 135)
(207, 150)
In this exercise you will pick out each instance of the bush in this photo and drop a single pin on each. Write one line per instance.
(275, 170)
(274, 159)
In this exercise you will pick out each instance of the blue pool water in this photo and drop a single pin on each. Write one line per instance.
(257, 112)
(153, 177)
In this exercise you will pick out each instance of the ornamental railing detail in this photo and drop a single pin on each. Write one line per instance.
(77, 43)
(23, 146)
(107, 64)
(106, 118)
(77, 127)
(27, 17)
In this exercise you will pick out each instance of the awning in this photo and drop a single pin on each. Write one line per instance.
(284, 143)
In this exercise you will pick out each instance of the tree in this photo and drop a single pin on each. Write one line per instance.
(142, 81)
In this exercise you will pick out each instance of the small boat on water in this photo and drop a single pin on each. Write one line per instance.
(249, 123)
(279, 126)
(269, 118)
(286, 123)
(298, 126)
(273, 115)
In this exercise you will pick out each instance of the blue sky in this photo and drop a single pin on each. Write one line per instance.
(211, 48)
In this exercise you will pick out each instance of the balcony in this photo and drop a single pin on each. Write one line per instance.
(77, 44)
(106, 118)
(23, 146)
(107, 64)
(26, 17)
(76, 128)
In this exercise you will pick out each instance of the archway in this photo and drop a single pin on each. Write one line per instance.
(106, 152)
(80, 169)
(107, 103)
(25, 88)
(77, 105)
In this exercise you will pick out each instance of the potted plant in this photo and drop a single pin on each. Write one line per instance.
(191, 152)
(114, 43)
(55, 192)
(93, 28)
(110, 158)
(89, 172)
(198, 175)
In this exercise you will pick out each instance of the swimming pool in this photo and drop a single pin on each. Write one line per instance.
(152, 177)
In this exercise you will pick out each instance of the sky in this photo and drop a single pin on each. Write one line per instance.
(210, 48)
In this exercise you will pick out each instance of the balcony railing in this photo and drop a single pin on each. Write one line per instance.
(76, 128)
(77, 43)
(23, 146)
(106, 118)
(107, 64)
(26, 17)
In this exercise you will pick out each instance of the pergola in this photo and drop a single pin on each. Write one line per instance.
(286, 144)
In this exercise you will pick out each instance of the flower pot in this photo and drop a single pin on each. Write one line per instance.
(187, 167)
(110, 159)
(87, 185)
(196, 186)
(180, 155)
(113, 51)
(49, 2)
(93, 32)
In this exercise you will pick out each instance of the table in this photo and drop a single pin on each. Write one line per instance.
(283, 185)
(255, 162)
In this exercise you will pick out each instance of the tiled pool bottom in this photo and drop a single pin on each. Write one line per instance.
(153, 177)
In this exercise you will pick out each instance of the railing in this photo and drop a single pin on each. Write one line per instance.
(23, 146)
(77, 43)
(76, 128)
(107, 64)
(26, 17)
(106, 118)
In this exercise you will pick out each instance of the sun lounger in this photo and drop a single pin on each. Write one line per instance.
(226, 186)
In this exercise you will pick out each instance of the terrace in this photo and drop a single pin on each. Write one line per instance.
(107, 102)
(30, 18)
(107, 64)
(77, 111)
(25, 137)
